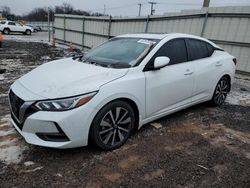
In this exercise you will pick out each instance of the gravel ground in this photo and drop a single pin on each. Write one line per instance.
(197, 147)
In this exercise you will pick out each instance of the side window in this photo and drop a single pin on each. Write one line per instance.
(175, 50)
(198, 49)
(11, 23)
(2, 22)
(210, 49)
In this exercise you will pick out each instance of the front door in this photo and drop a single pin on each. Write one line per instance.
(172, 86)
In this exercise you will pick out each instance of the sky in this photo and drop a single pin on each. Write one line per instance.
(118, 7)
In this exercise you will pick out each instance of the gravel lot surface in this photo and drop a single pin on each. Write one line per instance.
(197, 147)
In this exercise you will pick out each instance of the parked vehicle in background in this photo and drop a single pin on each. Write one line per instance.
(35, 28)
(129, 81)
(10, 26)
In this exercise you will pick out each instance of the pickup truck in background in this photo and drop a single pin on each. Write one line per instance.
(10, 26)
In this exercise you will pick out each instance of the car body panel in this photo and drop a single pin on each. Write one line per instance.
(67, 77)
(155, 93)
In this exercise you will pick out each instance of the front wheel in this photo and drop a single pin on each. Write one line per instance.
(221, 91)
(112, 125)
(6, 31)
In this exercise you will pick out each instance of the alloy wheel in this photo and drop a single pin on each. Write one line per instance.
(115, 126)
(221, 91)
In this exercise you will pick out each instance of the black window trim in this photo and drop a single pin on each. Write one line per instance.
(189, 54)
(148, 66)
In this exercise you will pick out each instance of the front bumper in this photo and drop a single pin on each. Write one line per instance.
(66, 129)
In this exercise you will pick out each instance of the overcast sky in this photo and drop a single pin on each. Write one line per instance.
(118, 7)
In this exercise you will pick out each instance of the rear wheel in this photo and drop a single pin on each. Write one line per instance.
(112, 125)
(6, 31)
(221, 91)
(28, 32)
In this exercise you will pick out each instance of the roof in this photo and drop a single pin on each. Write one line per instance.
(145, 35)
(163, 35)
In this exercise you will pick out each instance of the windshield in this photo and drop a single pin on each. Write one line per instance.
(120, 52)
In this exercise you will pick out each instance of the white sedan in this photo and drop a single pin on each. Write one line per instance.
(116, 88)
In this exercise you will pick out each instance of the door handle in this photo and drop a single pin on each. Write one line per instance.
(188, 72)
(218, 64)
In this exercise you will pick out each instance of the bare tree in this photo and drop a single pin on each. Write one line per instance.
(5, 11)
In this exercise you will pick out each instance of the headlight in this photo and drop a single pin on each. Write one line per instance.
(64, 104)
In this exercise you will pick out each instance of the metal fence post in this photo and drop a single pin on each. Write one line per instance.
(109, 29)
(146, 27)
(204, 24)
(64, 31)
(83, 22)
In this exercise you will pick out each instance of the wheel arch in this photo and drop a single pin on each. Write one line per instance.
(128, 100)
(229, 79)
(228, 76)
(6, 28)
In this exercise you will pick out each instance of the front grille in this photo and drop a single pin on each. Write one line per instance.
(20, 125)
(15, 103)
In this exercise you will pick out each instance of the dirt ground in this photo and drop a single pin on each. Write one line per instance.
(197, 147)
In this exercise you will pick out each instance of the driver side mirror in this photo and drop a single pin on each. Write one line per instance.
(161, 62)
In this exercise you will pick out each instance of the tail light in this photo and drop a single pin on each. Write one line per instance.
(235, 61)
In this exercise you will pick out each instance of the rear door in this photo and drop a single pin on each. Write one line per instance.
(207, 68)
(12, 26)
(170, 87)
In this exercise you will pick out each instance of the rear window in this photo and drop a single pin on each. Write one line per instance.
(2, 22)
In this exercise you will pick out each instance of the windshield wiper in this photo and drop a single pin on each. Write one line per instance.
(119, 65)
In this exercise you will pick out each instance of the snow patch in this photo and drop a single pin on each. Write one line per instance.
(12, 146)
(6, 133)
(1, 77)
(12, 154)
(28, 163)
(238, 98)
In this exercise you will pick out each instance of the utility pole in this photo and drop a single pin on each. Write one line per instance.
(206, 3)
(152, 7)
(104, 10)
(139, 9)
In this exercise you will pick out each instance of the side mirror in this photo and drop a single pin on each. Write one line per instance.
(161, 62)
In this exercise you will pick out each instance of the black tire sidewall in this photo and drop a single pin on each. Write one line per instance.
(94, 131)
(213, 99)
(8, 31)
(28, 32)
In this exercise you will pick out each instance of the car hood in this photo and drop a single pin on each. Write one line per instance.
(67, 77)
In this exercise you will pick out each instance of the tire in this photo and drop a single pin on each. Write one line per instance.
(112, 125)
(6, 31)
(221, 91)
(28, 32)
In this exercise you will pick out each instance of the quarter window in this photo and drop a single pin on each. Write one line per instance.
(199, 49)
(210, 49)
(175, 50)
